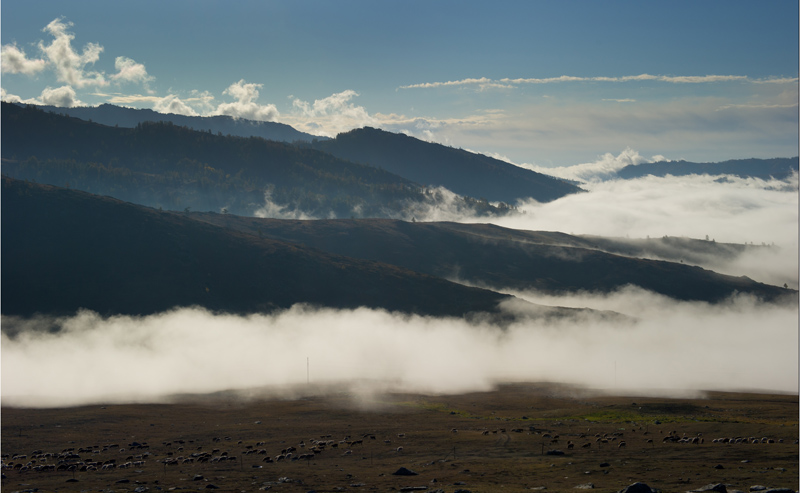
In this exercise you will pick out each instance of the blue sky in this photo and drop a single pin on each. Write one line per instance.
(541, 83)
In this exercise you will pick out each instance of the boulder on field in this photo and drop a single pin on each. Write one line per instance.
(718, 487)
(637, 488)
(404, 472)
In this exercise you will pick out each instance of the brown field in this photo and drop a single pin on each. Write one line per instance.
(478, 442)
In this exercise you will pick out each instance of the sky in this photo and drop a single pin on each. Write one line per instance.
(540, 84)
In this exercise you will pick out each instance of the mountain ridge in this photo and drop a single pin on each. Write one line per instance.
(431, 164)
(777, 168)
(111, 115)
(502, 259)
(66, 249)
(173, 167)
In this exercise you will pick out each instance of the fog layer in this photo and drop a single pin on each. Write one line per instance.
(672, 347)
(726, 210)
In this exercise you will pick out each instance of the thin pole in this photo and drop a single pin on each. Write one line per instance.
(308, 374)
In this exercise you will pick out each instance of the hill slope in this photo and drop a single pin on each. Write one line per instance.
(460, 171)
(63, 250)
(502, 258)
(163, 165)
(108, 114)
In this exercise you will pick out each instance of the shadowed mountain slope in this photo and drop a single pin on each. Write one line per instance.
(63, 250)
(172, 167)
(501, 258)
(111, 115)
(460, 171)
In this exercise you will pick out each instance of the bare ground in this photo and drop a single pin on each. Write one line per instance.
(478, 442)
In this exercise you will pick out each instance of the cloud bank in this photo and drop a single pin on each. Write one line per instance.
(672, 348)
(733, 210)
(245, 105)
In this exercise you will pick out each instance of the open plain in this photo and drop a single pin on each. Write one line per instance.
(518, 437)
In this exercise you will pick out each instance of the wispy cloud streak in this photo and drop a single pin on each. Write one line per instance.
(681, 79)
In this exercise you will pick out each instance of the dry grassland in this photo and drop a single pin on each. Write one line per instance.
(478, 442)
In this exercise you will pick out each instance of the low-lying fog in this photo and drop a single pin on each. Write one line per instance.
(672, 347)
(724, 209)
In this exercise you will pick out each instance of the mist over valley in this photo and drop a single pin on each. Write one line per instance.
(427, 286)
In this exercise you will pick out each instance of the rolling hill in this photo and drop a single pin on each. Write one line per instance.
(63, 250)
(111, 115)
(175, 168)
(463, 172)
(500, 258)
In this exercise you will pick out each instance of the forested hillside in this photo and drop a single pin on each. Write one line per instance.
(176, 168)
(463, 172)
(111, 115)
(67, 249)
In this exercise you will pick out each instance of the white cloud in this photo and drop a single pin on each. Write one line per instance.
(129, 70)
(604, 168)
(63, 97)
(70, 66)
(14, 61)
(9, 98)
(331, 115)
(173, 104)
(484, 82)
(245, 107)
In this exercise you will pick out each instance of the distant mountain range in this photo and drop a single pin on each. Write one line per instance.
(111, 115)
(430, 164)
(778, 168)
(164, 165)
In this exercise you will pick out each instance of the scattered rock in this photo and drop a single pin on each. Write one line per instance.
(404, 472)
(554, 452)
(606, 464)
(719, 466)
(585, 486)
(758, 487)
(198, 477)
(210, 486)
(140, 489)
(123, 481)
(637, 488)
(780, 490)
(718, 487)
